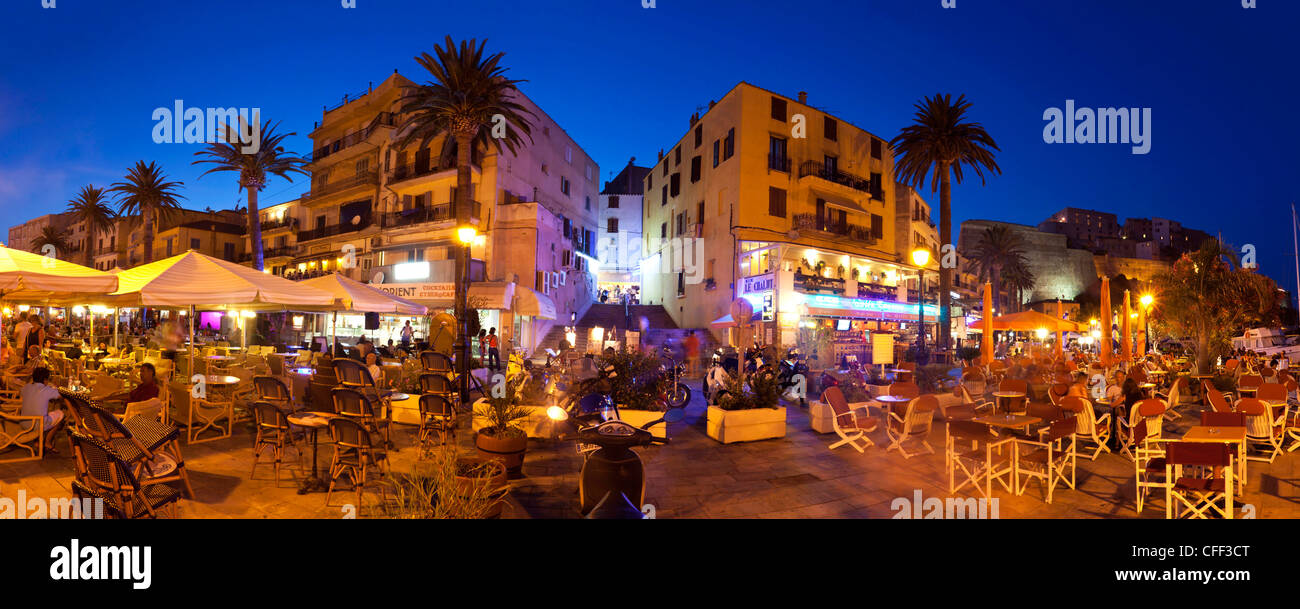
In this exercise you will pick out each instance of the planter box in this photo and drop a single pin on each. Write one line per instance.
(641, 417)
(728, 426)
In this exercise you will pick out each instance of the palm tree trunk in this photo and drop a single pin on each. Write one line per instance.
(945, 273)
(147, 237)
(254, 227)
(90, 242)
(464, 142)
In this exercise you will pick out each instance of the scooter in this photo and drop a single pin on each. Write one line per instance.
(612, 481)
(793, 376)
(718, 378)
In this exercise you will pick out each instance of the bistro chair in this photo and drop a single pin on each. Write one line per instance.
(1090, 427)
(106, 503)
(149, 446)
(432, 361)
(1057, 392)
(99, 467)
(275, 390)
(437, 417)
(1264, 431)
(970, 407)
(914, 424)
(974, 453)
(1151, 410)
(851, 427)
(356, 457)
(199, 414)
(352, 403)
(1201, 480)
(1047, 460)
(904, 389)
(21, 432)
(274, 433)
(1249, 384)
(1218, 402)
(151, 408)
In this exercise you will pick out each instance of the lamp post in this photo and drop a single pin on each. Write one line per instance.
(920, 257)
(466, 235)
(1146, 302)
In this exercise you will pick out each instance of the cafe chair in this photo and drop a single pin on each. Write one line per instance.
(102, 504)
(1090, 427)
(975, 454)
(151, 408)
(150, 447)
(99, 467)
(356, 405)
(21, 433)
(1173, 399)
(914, 424)
(1148, 464)
(432, 361)
(1212, 418)
(200, 414)
(973, 404)
(437, 418)
(851, 427)
(1201, 480)
(1151, 410)
(1015, 405)
(357, 458)
(1218, 401)
(274, 433)
(1265, 432)
(275, 390)
(1047, 460)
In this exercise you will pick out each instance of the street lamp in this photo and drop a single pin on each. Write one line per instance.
(920, 257)
(466, 235)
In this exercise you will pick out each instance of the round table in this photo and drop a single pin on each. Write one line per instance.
(1008, 396)
(315, 421)
(1147, 388)
(890, 400)
(221, 379)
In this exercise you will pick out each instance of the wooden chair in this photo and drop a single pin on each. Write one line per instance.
(199, 414)
(851, 427)
(356, 457)
(975, 453)
(1199, 495)
(1049, 459)
(1090, 427)
(914, 424)
(1148, 463)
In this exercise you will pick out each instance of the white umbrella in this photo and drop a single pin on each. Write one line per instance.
(25, 276)
(352, 295)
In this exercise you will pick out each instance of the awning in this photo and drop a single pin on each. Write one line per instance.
(529, 302)
(492, 295)
(850, 206)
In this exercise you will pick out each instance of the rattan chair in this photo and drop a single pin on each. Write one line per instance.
(432, 361)
(357, 457)
(274, 433)
(352, 403)
(100, 467)
(274, 390)
(140, 441)
(437, 418)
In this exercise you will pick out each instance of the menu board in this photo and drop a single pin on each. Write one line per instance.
(882, 348)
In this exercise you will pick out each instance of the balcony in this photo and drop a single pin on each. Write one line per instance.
(832, 230)
(383, 119)
(815, 284)
(365, 178)
(423, 215)
(272, 225)
(778, 163)
(423, 168)
(818, 169)
(287, 251)
(334, 229)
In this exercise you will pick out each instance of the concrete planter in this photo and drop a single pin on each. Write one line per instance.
(639, 418)
(728, 426)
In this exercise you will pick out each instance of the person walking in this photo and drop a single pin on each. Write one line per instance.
(407, 334)
(691, 346)
(494, 352)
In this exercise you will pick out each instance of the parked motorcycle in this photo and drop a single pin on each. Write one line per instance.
(793, 376)
(679, 395)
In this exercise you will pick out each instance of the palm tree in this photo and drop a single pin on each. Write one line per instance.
(472, 103)
(269, 157)
(998, 249)
(52, 236)
(147, 193)
(941, 139)
(1019, 279)
(91, 207)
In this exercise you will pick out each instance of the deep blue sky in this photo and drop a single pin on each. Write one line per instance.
(78, 84)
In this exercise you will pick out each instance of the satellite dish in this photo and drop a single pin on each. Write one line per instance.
(792, 234)
(378, 277)
(356, 220)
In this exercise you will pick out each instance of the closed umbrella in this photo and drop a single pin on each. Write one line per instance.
(986, 337)
(1126, 347)
(1105, 322)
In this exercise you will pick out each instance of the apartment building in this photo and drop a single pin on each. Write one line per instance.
(618, 248)
(768, 198)
(1083, 228)
(219, 234)
(382, 212)
(24, 236)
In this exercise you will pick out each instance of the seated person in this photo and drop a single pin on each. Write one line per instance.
(34, 360)
(376, 371)
(1079, 386)
(146, 390)
(36, 397)
(75, 351)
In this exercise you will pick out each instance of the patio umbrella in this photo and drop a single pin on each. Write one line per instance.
(351, 295)
(25, 276)
(1105, 322)
(1060, 348)
(986, 338)
(194, 280)
(1125, 348)
(1028, 321)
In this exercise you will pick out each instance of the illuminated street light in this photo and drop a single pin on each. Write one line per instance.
(920, 257)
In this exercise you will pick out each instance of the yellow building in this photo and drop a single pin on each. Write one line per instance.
(770, 199)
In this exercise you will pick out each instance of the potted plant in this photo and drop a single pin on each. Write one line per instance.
(856, 273)
(839, 271)
(450, 485)
(635, 381)
(502, 436)
(751, 412)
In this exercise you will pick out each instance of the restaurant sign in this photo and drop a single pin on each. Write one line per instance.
(881, 308)
(757, 283)
(419, 291)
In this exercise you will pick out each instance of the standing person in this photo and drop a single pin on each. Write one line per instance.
(692, 348)
(408, 333)
(494, 353)
(482, 346)
(21, 329)
(35, 336)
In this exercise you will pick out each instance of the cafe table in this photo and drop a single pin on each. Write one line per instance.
(1227, 435)
(1008, 421)
(890, 400)
(1008, 396)
(1200, 387)
(1147, 389)
(313, 421)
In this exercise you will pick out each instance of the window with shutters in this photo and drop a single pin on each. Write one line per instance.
(877, 227)
(613, 202)
(677, 157)
(776, 202)
(611, 225)
(831, 129)
(729, 145)
(778, 109)
(699, 212)
(676, 185)
(696, 163)
(564, 185)
(663, 195)
(877, 148)
(699, 135)
(717, 144)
